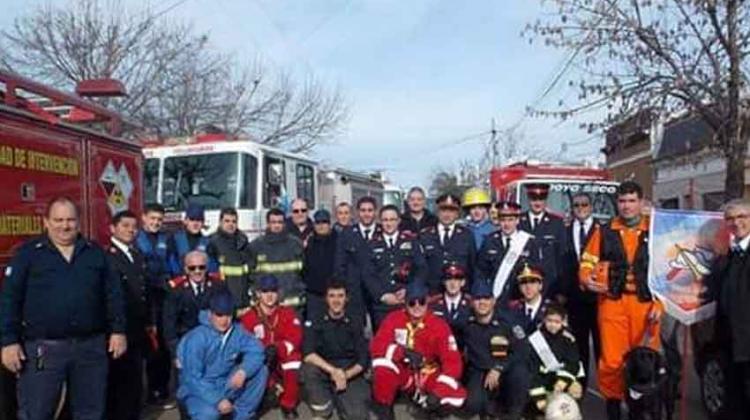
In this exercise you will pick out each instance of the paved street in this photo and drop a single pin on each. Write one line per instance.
(593, 407)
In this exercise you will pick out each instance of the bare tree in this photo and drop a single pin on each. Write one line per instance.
(445, 181)
(176, 82)
(660, 55)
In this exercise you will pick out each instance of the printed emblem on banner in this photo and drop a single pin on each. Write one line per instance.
(118, 187)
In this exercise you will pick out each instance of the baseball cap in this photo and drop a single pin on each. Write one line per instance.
(221, 303)
(194, 212)
(268, 283)
(322, 216)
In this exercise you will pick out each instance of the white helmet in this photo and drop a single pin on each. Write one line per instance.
(561, 406)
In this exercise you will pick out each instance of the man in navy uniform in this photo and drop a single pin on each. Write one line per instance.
(447, 241)
(189, 295)
(581, 304)
(497, 356)
(61, 310)
(529, 309)
(353, 261)
(453, 305)
(505, 252)
(190, 238)
(156, 246)
(396, 262)
(549, 233)
(124, 389)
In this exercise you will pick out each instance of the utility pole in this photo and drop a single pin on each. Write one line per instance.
(493, 142)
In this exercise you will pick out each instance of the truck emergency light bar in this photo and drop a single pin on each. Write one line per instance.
(81, 109)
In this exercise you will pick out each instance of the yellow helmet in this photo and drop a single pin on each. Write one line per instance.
(476, 197)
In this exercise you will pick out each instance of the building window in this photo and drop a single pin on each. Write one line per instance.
(670, 203)
(713, 201)
(306, 184)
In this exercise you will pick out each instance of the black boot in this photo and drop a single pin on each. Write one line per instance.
(383, 412)
(613, 410)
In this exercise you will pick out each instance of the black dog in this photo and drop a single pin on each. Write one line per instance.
(648, 392)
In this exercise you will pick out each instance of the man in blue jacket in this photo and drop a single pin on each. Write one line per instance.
(221, 366)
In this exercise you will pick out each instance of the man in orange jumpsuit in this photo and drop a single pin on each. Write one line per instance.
(280, 331)
(615, 265)
(414, 351)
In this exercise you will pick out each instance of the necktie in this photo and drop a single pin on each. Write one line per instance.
(446, 235)
(529, 313)
(507, 243)
(367, 234)
(390, 242)
(453, 309)
(581, 238)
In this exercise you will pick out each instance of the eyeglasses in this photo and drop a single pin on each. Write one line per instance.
(577, 205)
(297, 211)
(196, 268)
(417, 302)
(741, 216)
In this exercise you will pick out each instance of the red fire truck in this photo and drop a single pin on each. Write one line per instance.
(509, 183)
(54, 143)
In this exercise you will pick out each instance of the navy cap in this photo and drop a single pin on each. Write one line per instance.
(322, 216)
(416, 290)
(221, 303)
(194, 212)
(481, 289)
(268, 283)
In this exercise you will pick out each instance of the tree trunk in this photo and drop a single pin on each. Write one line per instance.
(734, 183)
(736, 146)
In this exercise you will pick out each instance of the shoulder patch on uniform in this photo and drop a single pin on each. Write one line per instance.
(38, 245)
(405, 246)
(519, 332)
(567, 334)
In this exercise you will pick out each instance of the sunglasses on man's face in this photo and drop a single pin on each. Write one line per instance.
(579, 205)
(415, 302)
(196, 268)
(297, 211)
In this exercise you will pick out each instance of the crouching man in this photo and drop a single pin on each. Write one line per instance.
(414, 351)
(335, 359)
(221, 370)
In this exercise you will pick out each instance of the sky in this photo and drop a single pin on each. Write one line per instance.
(423, 78)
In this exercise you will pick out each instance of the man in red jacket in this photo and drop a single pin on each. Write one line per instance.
(415, 351)
(280, 331)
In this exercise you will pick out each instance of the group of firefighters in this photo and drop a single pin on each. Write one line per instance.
(492, 313)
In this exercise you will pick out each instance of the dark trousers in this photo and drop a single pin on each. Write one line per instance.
(8, 401)
(158, 361)
(512, 394)
(125, 384)
(582, 317)
(80, 364)
(352, 404)
(737, 386)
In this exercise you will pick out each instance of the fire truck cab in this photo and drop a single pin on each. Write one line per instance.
(217, 171)
(58, 144)
(510, 183)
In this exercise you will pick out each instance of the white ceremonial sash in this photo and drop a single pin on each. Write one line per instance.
(541, 347)
(509, 261)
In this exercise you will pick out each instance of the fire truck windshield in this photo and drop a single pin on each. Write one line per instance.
(150, 180)
(561, 195)
(209, 180)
